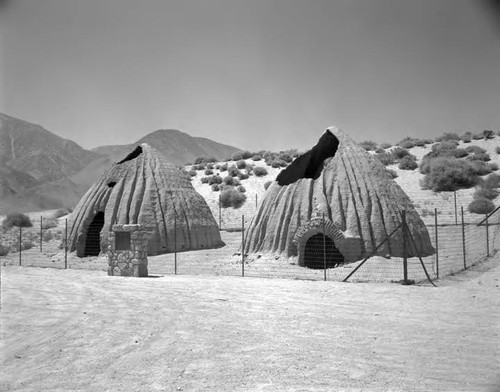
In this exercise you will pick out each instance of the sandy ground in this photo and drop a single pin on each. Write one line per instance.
(82, 330)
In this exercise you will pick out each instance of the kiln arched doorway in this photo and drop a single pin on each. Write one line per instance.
(316, 248)
(93, 239)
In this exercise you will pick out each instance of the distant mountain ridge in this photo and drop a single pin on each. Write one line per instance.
(178, 147)
(40, 170)
(31, 149)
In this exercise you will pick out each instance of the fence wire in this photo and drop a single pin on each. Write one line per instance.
(461, 239)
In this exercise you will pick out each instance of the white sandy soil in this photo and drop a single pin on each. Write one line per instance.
(78, 330)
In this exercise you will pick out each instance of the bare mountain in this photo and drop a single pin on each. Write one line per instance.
(35, 166)
(38, 153)
(178, 147)
(40, 170)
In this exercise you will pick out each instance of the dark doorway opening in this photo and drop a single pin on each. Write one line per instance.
(316, 248)
(93, 242)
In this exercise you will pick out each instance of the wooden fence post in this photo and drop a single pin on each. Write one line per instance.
(437, 241)
(243, 245)
(463, 238)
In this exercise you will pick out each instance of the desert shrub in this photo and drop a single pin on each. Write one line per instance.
(260, 171)
(49, 223)
(442, 147)
(448, 136)
(209, 172)
(232, 198)
(285, 157)
(215, 180)
(47, 236)
(399, 153)
(215, 187)
(392, 173)
(237, 156)
(484, 157)
(269, 157)
(425, 164)
(223, 167)
(4, 250)
(292, 152)
(485, 193)
(241, 164)
(449, 174)
(481, 206)
(481, 168)
(204, 180)
(241, 189)
(492, 181)
(17, 219)
(478, 136)
(210, 166)
(466, 137)
(386, 145)
(199, 160)
(408, 162)
(201, 166)
(246, 154)
(488, 134)
(192, 173)
(217, 167)
(407, 142)
(458, 153)
(256, 158)
(475, 150)
(267, 184)
(233, 171)
(229, 180)
(243, 176)
(236, 181)
(492, 166)
(278, 163)
(368, 145)
(446, 149)
(386, 158)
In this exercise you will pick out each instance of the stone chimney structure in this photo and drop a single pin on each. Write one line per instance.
(128, 251)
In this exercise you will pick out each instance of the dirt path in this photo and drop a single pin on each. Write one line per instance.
(82, 330)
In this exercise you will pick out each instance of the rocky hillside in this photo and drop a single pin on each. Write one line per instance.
(179, 147)
(424, 200)
(35, 166)
(32, 150)
(40, 170)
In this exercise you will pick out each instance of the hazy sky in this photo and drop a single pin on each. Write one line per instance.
(256, 74)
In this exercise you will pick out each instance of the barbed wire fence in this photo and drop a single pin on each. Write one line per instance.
(460, 240)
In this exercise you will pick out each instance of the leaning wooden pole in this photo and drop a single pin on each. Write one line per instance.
(372, 253)
(405, 248)
(420, 258)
